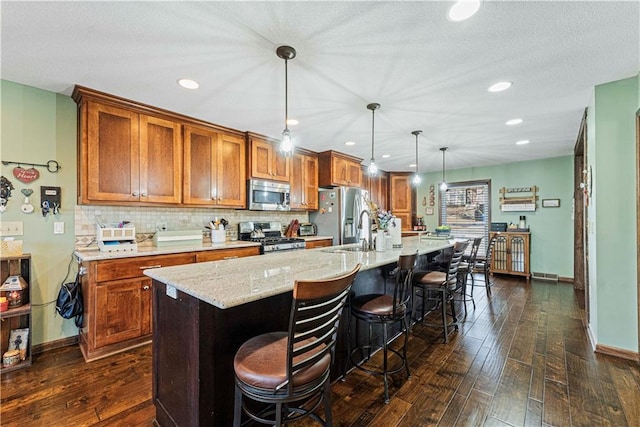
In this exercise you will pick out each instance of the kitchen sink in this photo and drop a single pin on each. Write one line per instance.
(343, 250)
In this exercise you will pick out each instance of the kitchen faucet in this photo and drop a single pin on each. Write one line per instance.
(370, 246)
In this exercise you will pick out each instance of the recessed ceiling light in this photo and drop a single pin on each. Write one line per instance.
(350, 143)
(513, 122)
(500, 86)
(292, 122)
(386, 156)
(188, 83)
(412, 165)
(462, 10)
(522, 142)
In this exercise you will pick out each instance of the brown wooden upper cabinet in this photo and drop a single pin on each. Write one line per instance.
(130, 156)
(401, 198)
(339, 169)
(126, 155)
(304, 180)
(378, 187)
(265, 160)
(214, 168)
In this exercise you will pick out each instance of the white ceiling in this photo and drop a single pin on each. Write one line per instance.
(426, 72)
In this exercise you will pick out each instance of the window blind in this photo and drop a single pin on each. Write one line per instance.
(466, 208)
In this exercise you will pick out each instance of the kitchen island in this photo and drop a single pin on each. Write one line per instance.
(203, 312)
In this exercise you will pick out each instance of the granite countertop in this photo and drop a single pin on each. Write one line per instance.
(233, 282)
(95, 254)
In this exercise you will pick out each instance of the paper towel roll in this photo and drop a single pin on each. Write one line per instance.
(395, 230)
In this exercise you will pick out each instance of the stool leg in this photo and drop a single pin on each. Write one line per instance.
(384, 363)
(327, 404)
(278, 414)
(237, 407)
(443, 292)
(346, 362)
(406, 342)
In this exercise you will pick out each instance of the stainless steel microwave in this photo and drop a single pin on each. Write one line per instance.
(268, 195)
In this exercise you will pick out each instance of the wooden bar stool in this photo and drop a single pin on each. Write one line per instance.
(289, 371)
(386, 310)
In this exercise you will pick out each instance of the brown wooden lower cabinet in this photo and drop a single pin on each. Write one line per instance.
(118, 301)
(321, 243)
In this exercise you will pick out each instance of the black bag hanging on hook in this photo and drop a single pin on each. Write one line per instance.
(70, 303)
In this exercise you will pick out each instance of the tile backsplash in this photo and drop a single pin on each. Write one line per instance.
(145, 219)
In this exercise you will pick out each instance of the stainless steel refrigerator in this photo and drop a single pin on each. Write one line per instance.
(340, 211)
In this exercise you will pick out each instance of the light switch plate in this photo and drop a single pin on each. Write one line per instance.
(11, 228)
(58, 227)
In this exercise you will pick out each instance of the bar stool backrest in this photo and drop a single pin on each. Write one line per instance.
(452, 273)
(404, 282)
(314, 320)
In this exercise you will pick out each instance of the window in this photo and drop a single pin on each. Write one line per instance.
(467, 210)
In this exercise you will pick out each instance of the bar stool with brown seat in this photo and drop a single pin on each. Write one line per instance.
(483, 264)
(438, 286)
(288, 372)
(465, 271)
(386, 310)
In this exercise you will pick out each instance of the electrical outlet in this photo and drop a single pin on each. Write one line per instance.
(161, 226)
(11, 228)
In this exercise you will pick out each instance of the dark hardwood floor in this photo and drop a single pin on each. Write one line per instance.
(521, 358)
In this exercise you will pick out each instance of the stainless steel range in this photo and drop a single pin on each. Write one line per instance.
(270, 235)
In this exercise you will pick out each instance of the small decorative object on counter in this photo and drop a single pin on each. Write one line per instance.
(4, 304)
(14, 288)
(443, 230)
(385, 219)
(10, 358)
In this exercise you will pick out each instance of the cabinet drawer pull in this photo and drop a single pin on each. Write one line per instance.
(150, 266)
(231, 257)
(145, 287)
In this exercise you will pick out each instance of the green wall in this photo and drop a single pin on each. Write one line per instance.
(551, 228)
(612, 215)
(37, 126)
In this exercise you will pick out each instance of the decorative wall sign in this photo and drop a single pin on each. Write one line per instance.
(518, 203)
(26, 175)
(550, 203)
(428, 211)
(432, 195)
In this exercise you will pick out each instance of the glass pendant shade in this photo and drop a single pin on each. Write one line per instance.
(372, 169)
(416, 180)
(286, 145)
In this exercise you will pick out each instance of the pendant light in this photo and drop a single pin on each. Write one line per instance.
(286, 144)
(373, 169)
(443, 186)
(416, 178)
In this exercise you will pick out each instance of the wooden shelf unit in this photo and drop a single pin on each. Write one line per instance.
(18, 317)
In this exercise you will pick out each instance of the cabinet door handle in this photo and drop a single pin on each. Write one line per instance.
(134, 194)
(231, 257)
(150, 266)
(143, 194)
(145, 287)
